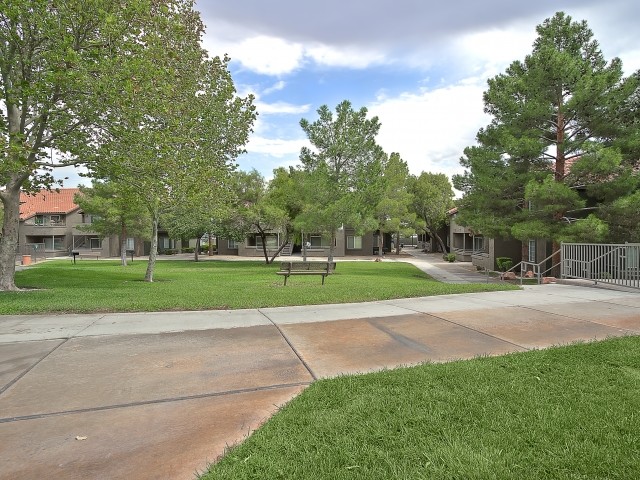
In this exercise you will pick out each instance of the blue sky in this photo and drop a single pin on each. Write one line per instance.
(420, 66)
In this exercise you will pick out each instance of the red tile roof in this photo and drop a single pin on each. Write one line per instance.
(46, 201)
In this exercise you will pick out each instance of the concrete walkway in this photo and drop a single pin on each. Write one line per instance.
(447, 272)
(159, 395)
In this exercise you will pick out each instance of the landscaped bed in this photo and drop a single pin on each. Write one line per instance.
(569, 412)
(105, 286)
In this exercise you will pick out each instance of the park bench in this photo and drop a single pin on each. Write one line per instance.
(88, 254)
(306, 268)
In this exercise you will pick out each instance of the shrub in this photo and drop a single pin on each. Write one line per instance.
(449, 257)
(504, 263)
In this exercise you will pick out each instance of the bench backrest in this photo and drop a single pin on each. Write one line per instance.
(311, 266)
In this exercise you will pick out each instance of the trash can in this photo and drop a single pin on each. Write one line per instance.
(26, 259)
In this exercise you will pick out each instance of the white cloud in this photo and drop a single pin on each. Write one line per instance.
(276, 147)
(431, 128)
(267, 55)
(276, 56)
(343, 57)
(485, 54)
(281, 108)
(279, 85)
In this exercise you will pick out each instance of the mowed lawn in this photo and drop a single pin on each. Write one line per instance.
(563, 413)
(105, 286)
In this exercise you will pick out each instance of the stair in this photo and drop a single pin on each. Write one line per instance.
(286, 251)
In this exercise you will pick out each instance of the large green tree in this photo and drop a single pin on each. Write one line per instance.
(393, 209)
(432, 198)
(260, 209)
(58, 62)
(195, 209)
(115, 212)
(554, 136)
(183, 134)
(340, 171)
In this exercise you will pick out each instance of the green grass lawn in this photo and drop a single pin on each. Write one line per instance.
(562, 413)
(106, 286)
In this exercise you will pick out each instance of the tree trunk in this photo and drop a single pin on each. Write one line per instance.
(434, 234)
(282, 245)
(153, 253)
(332, 246)
(304, 249)
(380, 244)
(123, 244)
(196, 252)
(9, 240)
(397, 243)
(263, 236)
(210, 252)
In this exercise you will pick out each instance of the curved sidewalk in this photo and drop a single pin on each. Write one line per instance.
(159, 395)
(448, 272)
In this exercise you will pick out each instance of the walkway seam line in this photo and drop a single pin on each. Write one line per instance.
(19, 377)
(578, 319)
(467, 327)
(286, 339)
(151, 402)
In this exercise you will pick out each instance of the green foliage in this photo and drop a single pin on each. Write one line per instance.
(557, 147)
(176, 134)
(260, 209)
(392, 211)
(449, 257)
(590, 229)
(115, 211)
(623, 218)
(504, 263)
(432, 198)
(61, 63)
(341, 176)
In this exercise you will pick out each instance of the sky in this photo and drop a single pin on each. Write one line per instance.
(420, 66)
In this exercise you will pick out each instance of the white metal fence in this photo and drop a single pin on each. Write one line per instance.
(617, 264)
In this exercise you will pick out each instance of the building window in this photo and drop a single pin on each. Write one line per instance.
(55, 220)
(532, 251)
(478, 244)
(130, 243)
(233, 245)
(354, 242)
(95, 243)
(272, 241)
(53, 243)
(316, 241)
(167, 243)
(39, 220)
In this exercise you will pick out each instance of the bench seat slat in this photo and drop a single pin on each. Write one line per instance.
(306, 268)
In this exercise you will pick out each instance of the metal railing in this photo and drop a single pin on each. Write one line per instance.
(616, 264)
(536, 269)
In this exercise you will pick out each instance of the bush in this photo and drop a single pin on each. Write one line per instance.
(188, 250)
(449, 257)
(504, 263)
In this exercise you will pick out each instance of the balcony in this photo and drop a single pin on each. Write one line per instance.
(48, 221)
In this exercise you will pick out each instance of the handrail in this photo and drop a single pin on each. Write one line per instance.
(607, 253)
(536, 267)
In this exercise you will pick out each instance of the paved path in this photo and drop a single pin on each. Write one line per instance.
(158, 395)
(448, 272)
